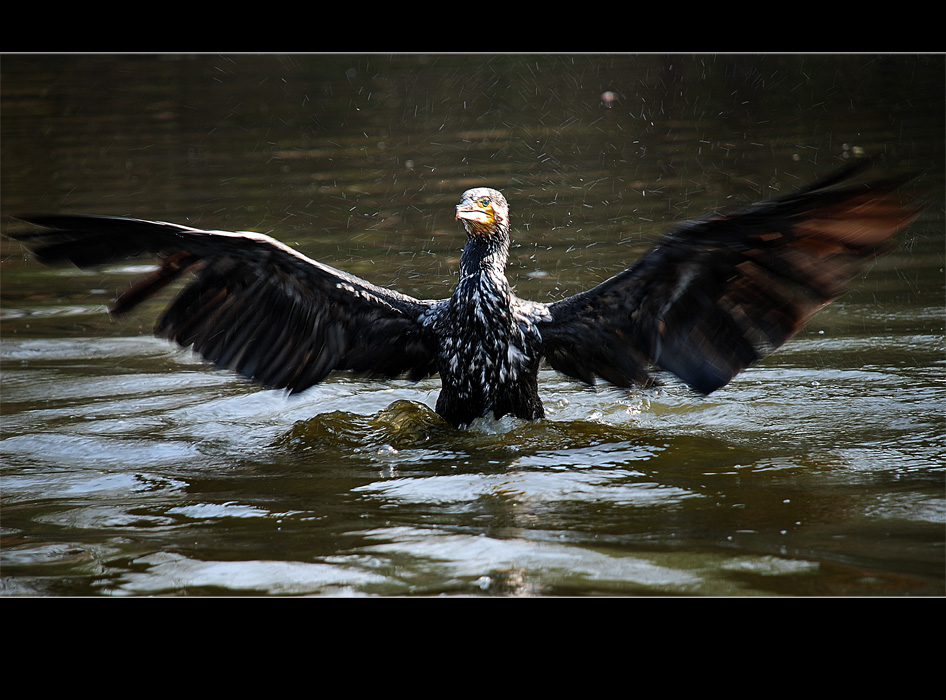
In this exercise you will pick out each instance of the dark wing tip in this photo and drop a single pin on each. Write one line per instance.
(88, 240)
(782, 261)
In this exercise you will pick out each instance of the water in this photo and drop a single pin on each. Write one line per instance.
(131, 468)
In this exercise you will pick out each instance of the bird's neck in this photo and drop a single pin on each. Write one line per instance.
(487, 255)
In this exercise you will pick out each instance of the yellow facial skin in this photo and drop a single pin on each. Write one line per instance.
(484, 213)
(478, 211)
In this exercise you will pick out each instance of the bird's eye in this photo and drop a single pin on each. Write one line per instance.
(484, 202)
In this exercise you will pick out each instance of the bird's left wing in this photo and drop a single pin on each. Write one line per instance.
(717, 294)
(254, 305)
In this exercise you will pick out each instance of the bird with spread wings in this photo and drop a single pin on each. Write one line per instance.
(712, 297)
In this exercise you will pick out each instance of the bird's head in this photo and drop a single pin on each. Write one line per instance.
(484, 213)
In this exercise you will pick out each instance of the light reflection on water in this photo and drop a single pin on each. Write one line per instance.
(137, 453)
(130, 468)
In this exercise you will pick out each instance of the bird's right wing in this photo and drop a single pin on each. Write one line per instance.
(718, 294)
(254, 305)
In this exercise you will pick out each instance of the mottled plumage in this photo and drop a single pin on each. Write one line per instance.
(712, 297)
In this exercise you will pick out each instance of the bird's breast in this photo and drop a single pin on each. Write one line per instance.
(483, 345)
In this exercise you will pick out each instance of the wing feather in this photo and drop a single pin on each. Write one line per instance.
(717, 294)
(254, 305)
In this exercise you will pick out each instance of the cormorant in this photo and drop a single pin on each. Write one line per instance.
(713, 296)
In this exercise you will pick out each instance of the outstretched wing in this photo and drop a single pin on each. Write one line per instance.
(718, 294)
(254, 305)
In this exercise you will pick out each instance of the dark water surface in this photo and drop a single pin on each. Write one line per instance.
(132, 468)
